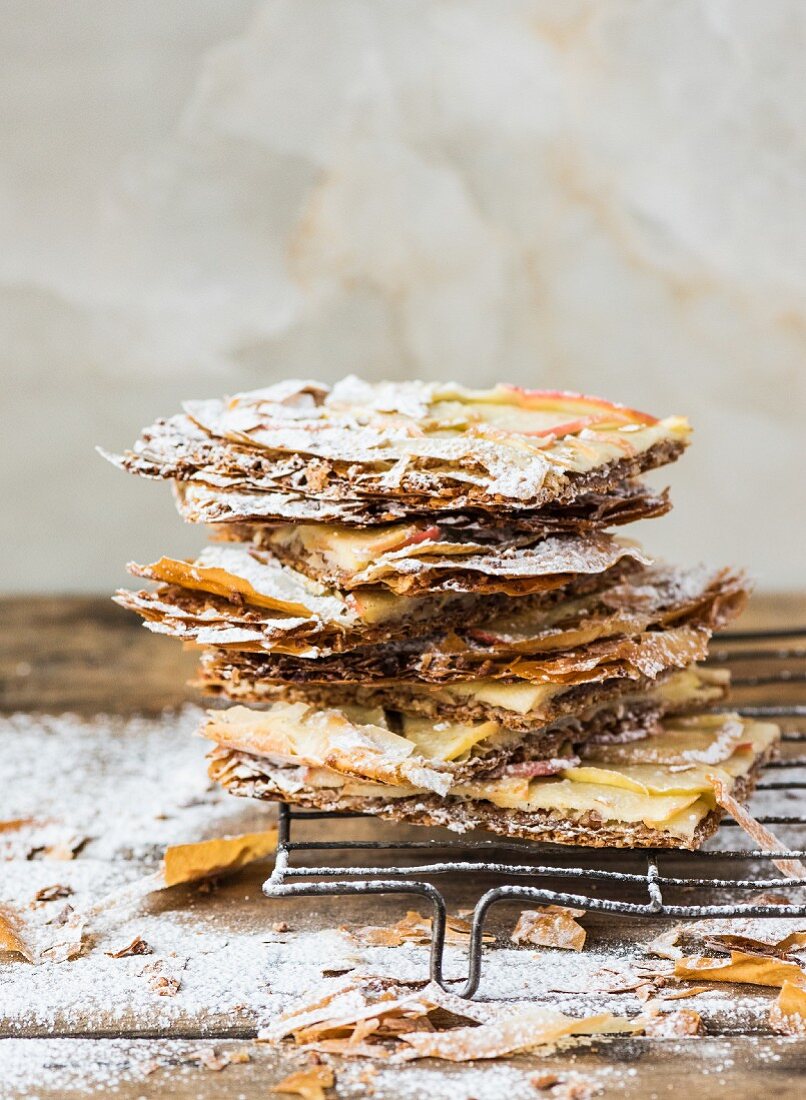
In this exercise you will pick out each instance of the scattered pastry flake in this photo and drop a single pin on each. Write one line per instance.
(163, 975)
(350, 1014)
(183, 863)
(413, 928)
(752, 946)
(665, 946)
(709, 934)
(792, 868)
(352, 1019)
(191, 862)
(66, 850)
(51, 893)
(12, 941)
(70, 940)
(216, 1060)
(788, 1014)
(682, 994)
(740, 967)
(673, 1025)
(138, 946)
(310, 1084)
(31, 837)
(516, 1029)
(165, 985)
(550, 926)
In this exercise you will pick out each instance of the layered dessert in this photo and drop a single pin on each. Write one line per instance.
(413, 605)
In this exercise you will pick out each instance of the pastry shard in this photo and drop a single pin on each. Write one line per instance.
(428, 446)
(602, 802)
(641, 625)
(233, 596)
(389, 745)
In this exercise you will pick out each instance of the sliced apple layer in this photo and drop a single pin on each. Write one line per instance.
(613, 803)
(640, 625)
(232, 596)
(412, 557)
(435, 445)
(389, 746)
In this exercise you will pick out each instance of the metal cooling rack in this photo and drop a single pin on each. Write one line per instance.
(638, 873)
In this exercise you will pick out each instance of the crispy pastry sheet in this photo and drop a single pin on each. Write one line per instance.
(240, 509)
(222, 676)
(427, 444)
(641, 624)
(597, 809)
(233, 597)
(384, 744)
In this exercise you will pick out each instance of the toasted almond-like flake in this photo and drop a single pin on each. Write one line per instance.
(50, 893)
(752, 946)
(310, 1084)
(138, 946)
(414, 928)
(671, 1025)
(682, 994)
(788, 1014)
(550, 926)
(792, 868)
(665, 946)
(190, 862)
(521, 1029)
(740, 967)
(12, 941)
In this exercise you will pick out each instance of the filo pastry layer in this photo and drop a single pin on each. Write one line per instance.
(232, 597)
(639, 625)
(619, 797)
(430, 446)
(240, 514)
(385, 745)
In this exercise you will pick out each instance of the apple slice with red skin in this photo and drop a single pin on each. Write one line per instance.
(428, 534)
(562, 399)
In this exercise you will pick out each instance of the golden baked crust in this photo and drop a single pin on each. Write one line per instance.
(638, 624)
(232, 597)
(429, 445)
(246, 775)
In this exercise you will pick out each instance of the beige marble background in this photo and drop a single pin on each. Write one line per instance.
(200, 197)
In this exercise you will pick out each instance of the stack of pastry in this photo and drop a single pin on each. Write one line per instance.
(414, 607)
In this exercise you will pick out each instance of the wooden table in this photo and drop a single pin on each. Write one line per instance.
(128, 785)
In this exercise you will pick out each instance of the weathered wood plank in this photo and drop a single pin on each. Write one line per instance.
(235, 972)
(740, 1068)
(87, 655)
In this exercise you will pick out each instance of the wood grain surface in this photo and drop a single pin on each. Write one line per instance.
(88, 657)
